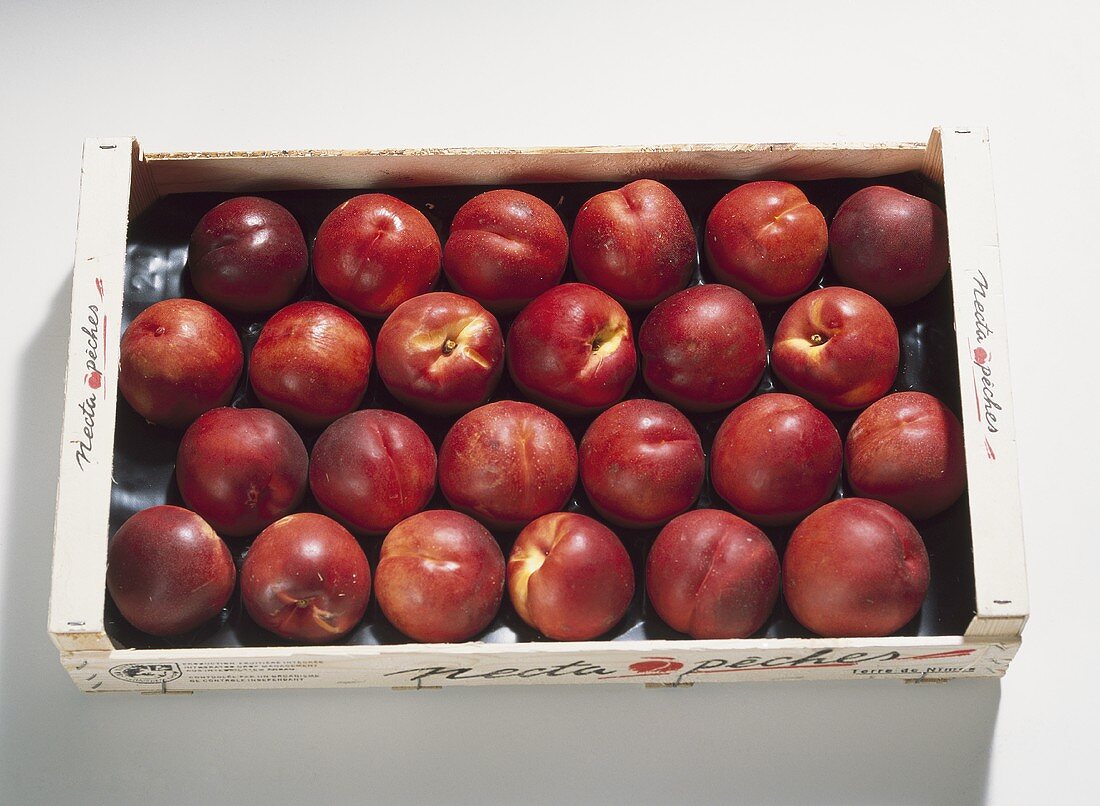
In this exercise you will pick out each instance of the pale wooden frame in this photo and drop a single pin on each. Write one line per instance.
(119, 181)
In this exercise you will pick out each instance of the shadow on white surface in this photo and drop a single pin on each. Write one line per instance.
(830, 742)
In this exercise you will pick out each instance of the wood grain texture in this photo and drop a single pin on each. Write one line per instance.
(932, 165)
(286, 170)
(143, 188)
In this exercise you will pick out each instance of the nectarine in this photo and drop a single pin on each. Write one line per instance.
(907, 450)
(570, 577)
(311, 363)
(371, 469)
(636, 243)
(247, 255)
(178, 359)
(440, 577)
(775, 459)
(507, 463)
(505, 248)
(767, 240)
(855, 568)
(703, 348)
(241, 469)
(306, 579)
(838, 347)
(641, 463)
(711, 574)
(890, 244)
(572, 349)
(168, 571)
(374, 251)
(441, 353)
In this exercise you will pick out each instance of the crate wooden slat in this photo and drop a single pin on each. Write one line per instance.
(119, 182)
(282, 170)
(1000, 580)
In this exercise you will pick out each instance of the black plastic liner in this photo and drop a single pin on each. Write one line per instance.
(145, 454)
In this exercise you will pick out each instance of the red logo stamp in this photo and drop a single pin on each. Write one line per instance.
(656, 666)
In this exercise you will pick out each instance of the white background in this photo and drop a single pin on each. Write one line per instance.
(205, 76)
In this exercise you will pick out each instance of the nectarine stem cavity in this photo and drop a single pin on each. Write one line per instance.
(609, 335)
(449, 346)
(817, 339)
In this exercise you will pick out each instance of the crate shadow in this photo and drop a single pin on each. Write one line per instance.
(28, 660)
(827, 742)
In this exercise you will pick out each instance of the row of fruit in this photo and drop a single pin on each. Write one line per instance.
(571, 349)
(505, 247)
(854, 567)
(441, 575)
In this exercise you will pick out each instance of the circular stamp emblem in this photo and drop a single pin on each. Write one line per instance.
(147, 673)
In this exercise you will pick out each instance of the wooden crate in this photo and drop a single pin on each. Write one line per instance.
(119, 182)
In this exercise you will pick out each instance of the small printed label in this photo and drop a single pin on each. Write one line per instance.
(147, 673)
(257, 673)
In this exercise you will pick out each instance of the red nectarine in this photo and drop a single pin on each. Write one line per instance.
(306, 579)
(440, 577)
(168, 571)
(838, 347)
(241, 469)
(907, 450)
(767, 240)
(572, 349)
(441, 353)
(507, 463)
(371, 469)
(505, 248)
(712, 575)
(703, 348)
(373, 252)
(247, 255)
(854, 568)
(570, 577)
(890, 244)
(636, 243)
(177, 359)
(775, 459)
(311, 363)
(641, 463)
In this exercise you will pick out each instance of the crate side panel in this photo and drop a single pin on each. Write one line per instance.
(993, 477)
(83, 495)
(434, 667)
